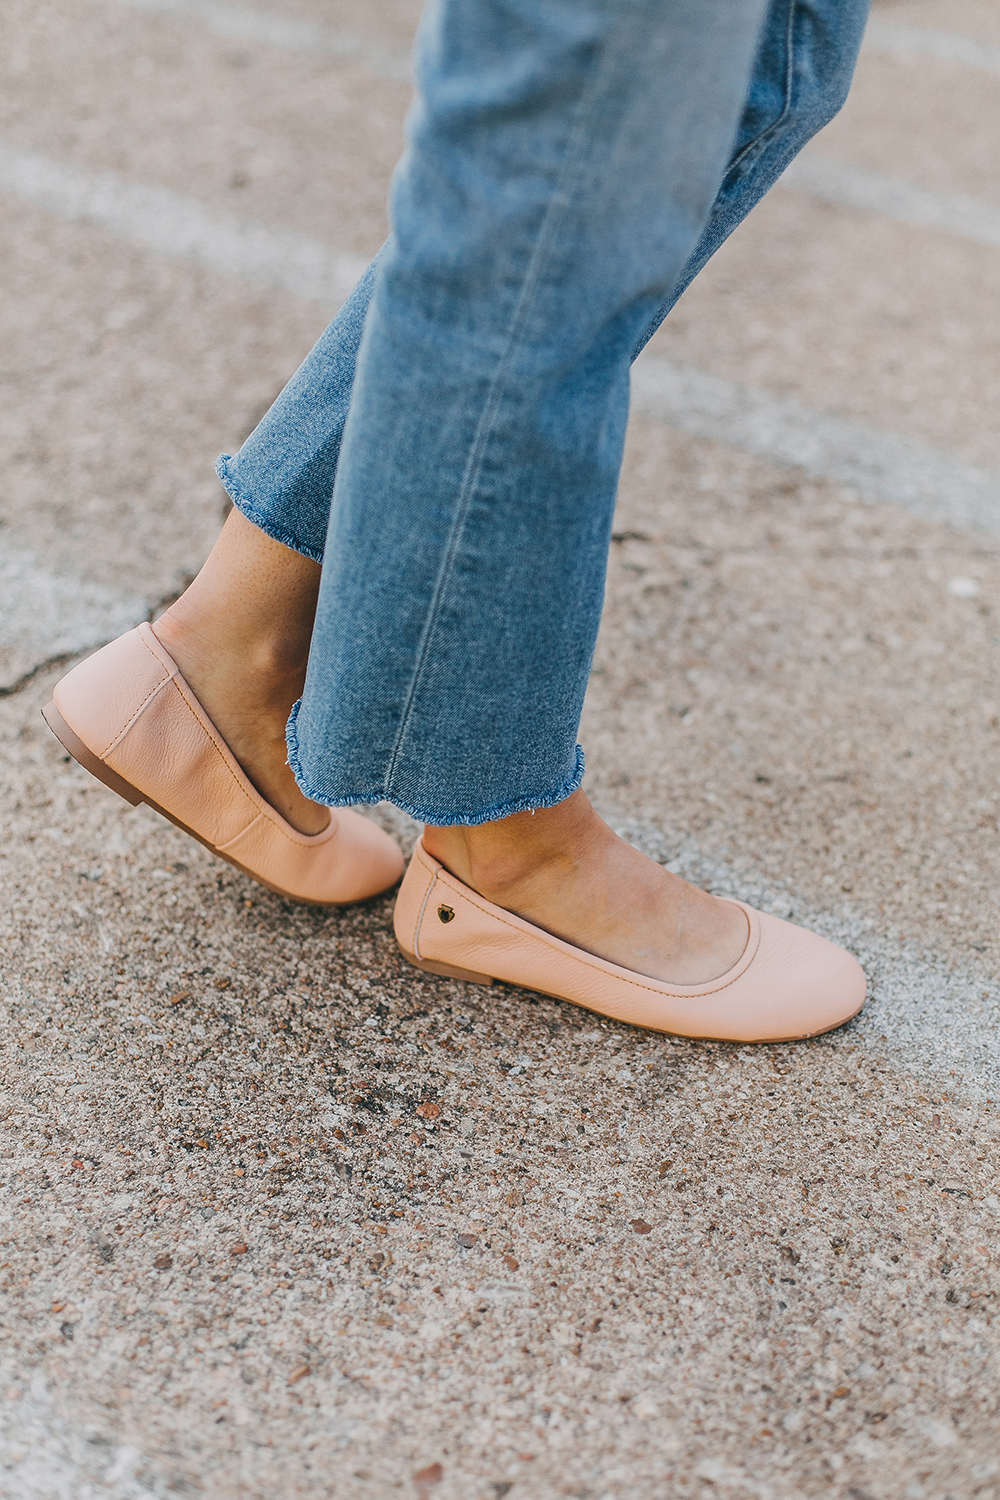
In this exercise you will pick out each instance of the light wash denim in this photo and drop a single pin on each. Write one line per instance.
(450, 448)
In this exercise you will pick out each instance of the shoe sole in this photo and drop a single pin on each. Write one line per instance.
(72, 743)
(448, 971)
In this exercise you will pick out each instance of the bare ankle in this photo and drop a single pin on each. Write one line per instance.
(252, 606)
(502, 860)
(568, 872)
(201, 643)
(501, 876)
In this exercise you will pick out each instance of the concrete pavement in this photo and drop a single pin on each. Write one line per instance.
(282, 1216)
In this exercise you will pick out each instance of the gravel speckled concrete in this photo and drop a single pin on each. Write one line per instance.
(282, 1212)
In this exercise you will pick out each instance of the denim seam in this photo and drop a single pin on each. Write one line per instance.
(474, 466)
(746, 160)
(255, 516)
(758, 142)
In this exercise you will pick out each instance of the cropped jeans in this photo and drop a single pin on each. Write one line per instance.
(450, 448)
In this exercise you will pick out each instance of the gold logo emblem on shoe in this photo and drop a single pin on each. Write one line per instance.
(446, 913)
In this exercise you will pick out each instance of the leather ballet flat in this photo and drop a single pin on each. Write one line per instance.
(789, 984)
(127, 715)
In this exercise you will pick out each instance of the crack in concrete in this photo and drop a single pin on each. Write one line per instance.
(61, 658)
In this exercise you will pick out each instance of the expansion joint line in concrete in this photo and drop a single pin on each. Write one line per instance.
(62, 658)
(883, 466)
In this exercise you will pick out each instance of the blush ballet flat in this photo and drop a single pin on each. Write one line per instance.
(788, 984)
(127, 715)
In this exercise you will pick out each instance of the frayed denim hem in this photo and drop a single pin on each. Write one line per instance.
(248, 508)
(436, 817)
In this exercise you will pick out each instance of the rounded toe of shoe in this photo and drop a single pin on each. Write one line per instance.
(368, 860)
(814, 985)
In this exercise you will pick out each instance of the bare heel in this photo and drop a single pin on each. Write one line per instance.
(86, 758)
(446, 971)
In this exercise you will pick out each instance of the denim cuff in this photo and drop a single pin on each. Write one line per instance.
(259, 518)
(437, 817)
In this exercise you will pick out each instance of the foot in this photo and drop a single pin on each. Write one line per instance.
(240, 636)
(565, 870)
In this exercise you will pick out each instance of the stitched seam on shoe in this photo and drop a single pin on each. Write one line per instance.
(264, 808)
(243, 831)
(229, 770)
(585, 960)
(216, 739)
(420, 914)
(142, 706)
(788, 89)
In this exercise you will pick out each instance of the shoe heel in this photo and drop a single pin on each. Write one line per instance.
(446, 971)
(86, 758)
